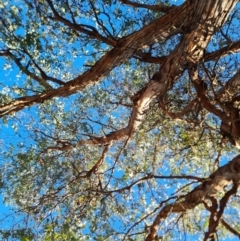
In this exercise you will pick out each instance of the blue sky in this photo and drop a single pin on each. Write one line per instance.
(8, 136)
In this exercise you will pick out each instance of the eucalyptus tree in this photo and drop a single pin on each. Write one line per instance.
(120, 119)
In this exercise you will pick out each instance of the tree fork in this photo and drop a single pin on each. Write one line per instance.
(215, 184)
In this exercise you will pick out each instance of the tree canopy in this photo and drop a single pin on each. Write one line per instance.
(120, 119)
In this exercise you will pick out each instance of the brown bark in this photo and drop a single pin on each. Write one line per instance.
(220, 53)
(160, 29)
(189, 51)
(231, 89)
(229, 114)
(228, 97)
(216, 216)
(215, 184)
(193, 72)
(126, 47)
(205, 17)
(230, 49)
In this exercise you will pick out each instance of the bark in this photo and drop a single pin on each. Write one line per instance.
(229, 115)
(216, 215)
(220, 53)
(214, 184)
(228, 96)
(160, 29)
(204, 18)
(207, 16)
(230, 49)
(231, 89)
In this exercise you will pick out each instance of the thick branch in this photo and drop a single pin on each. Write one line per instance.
(214, 221)
(193, 72)
(126, 47)
(230, 127)
(230, 49)
(163, 80)
(146, 57)
(212, 209)
(215, 184)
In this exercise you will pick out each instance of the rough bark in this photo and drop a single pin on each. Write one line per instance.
(206, 17)
(214, 184)
(160, 29)
(229, 49)
(232, 48)
(231, 89)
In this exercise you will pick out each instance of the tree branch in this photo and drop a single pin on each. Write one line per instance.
(146, 57)
(230, 49)
(161, 82)
(79, 27)
(126, 47)
(230, 228)
(225, 175)
(99, 21)
(160, 7)
(25, 70)
(180, 114)
(231, 89)
(217, 215)
(193, 73)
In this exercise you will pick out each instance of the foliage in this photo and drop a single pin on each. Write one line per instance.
(104, 122)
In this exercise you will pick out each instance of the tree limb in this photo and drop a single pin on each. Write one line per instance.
(231, 89)
(217, 215)
(126, 47)
(225, 175)
(230, 49)
(162, 81)
(230, 228)
(160, 7)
